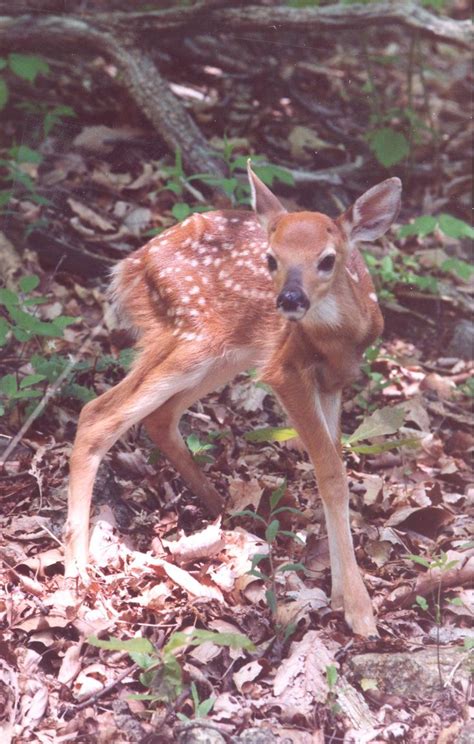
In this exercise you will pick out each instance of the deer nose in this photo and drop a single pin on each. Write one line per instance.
(293, 302)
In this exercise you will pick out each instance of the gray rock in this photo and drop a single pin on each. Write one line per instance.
(467, 734)
(462, 342)
(198, 735)
(258, 736)
(413, 674)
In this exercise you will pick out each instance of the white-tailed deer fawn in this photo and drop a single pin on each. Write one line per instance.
(228, 290)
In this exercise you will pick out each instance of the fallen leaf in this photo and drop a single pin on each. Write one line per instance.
(203, 544)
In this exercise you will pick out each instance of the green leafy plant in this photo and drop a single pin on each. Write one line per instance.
(388, 145)
(273, 531)
(25, 66)
(161, 672)
(13, 175)
(375, 381)
(382, 422)
(199, 450)
(236, 188)
(399, 269)
(427, 224)
(201, 707)
(443, 564)
(19, 322)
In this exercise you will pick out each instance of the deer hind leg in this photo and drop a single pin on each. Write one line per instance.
(102, 422)
(162, 427)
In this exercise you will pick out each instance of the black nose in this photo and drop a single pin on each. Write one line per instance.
(292, 299)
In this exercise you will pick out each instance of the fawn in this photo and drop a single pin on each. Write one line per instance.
(224, 291)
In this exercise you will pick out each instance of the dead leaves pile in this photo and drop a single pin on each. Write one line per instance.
(409, 501)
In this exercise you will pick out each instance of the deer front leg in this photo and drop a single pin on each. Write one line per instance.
(310, 413)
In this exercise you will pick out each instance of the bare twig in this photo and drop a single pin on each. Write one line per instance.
(105, 690)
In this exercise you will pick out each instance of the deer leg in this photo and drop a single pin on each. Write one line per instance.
(331, 408)
(303, 405)
(162, 427)
(102, 422)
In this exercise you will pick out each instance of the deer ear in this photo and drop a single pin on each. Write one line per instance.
(265, 204)
(373, 212)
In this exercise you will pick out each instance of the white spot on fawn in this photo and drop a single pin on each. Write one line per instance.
(353, 275)
(373, 297)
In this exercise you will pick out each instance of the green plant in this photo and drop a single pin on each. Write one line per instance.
(161, 671)
(199, 449)
(448, 224)
(382, 422)
(272, 532)
(25, 66)
(332, 677)
(13, 175)
(399, 269)
(201, 707)
(376, 381)
(236, 189)
(443, 564)
(19, 322)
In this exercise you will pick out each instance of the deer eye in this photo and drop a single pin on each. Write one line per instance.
(271, 262)
(327, 264)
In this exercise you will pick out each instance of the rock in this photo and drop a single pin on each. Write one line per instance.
(467, 734)
(412, 674)
(204, 735)
(462, 342)
(258, 736)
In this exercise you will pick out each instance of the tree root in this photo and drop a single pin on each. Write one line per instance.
(116, 35)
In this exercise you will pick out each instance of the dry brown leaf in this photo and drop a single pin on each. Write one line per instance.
(243, 494)
(105, 542)
(88, 215)
(91, 680)
(28, 528)
(187, 582)
(71, 664)
(33, 706)
(305, 142)
(41, 561)
(426, 520)
(300, 681)
(137, 220)
(9, 697)
(155, 597)
(204, 544)
(101, 139)
(248, 673)
(442, 386)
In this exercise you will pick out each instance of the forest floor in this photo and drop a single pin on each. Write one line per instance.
(222, 660)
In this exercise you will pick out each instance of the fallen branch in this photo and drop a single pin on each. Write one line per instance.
(336, 17)
(139, 75)
(431, 582)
